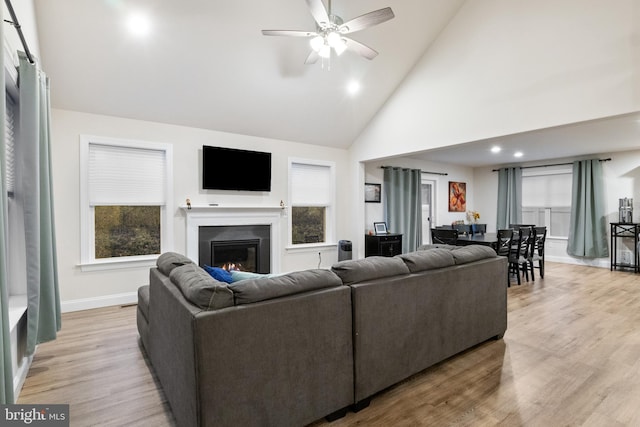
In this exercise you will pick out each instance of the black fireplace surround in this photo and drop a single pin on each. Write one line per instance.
(245, 247)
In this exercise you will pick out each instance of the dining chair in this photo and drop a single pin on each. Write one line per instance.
(519, 254)
(503, 246)
(537, 250)
(479, 228)
(464, 229)
(444, 236)
(519, 226)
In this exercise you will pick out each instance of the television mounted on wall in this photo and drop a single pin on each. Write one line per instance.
(234, 169)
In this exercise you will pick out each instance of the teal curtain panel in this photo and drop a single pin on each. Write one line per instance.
(588, 223)
(43, 306)
(509, 197)
(403, 205)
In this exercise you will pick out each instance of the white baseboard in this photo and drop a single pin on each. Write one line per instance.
(592, 262)
(21, 375)
(99, 302)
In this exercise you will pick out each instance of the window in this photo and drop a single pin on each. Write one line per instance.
(546, 199)
(126, 191)
(312, 199)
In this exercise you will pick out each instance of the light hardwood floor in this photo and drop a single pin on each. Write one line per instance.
(570, 357)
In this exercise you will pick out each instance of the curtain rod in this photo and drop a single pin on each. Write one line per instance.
(430, 173)
(553, 164)
(16, 25)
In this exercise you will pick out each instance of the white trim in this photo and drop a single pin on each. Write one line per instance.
(311, 247)
(99, 302)
(21, 375)
(205, 216)
(87, 242)
(119, 263)
(330, 232)
(591, 262)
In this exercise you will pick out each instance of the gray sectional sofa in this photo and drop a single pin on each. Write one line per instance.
(291, 349)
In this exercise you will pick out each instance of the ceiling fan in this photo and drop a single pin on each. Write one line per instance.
(331, 29)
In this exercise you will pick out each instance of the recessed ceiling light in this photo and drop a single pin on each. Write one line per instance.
(139, 24)
(495, 149)
(518, 154)
(353, 87)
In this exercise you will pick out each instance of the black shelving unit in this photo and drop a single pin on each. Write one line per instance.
(620, 230)
(383, 245)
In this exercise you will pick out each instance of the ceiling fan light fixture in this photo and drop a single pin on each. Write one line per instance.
(316, 43)
(334, 39)
(340, 47)
(325, 51)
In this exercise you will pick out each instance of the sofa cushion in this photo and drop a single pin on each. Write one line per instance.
(374, 267)
(170, 260)
(143, 301)
(200, 289)
(472, 253)
(264, 288)
(237, 275)
(436, 246)
(428, 259)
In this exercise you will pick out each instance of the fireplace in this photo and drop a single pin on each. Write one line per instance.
(244, 247)
(203, 216)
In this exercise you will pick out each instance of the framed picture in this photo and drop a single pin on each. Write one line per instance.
(380, 227)
(372, 192)
(457, 196)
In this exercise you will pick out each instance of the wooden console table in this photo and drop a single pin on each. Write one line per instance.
(383, 245)
(624, 230)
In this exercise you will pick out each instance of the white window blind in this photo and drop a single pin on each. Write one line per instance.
(121, 175)
(9, 130)
(310, 185)
(547, 190)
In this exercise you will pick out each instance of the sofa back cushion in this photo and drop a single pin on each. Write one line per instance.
(374, 267)
(428, 259)
(265, 288)
(472, 253)
(200, 289)
(170, 260)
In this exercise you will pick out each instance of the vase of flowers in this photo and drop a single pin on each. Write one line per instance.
(473, 217)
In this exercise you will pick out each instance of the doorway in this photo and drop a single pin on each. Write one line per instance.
(428, 208)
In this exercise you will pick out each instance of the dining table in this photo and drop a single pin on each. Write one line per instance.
(486, 239)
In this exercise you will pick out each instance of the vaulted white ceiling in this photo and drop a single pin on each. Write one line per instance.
(205, 63)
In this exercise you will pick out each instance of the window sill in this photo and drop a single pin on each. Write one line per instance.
(17, 307)
(311, 247)
(117, 263)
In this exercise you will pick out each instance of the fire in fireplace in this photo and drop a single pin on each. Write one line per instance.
(235, 254)
(241, 247)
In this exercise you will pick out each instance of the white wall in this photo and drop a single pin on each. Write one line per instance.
(87, 289)
(25, 13)
(502, 67)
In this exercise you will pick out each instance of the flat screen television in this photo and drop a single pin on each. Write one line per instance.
(233, 169)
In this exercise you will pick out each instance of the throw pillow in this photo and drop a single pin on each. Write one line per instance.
(237, 275)
(220, 274)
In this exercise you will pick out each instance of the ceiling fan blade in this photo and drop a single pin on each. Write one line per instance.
(288, 33)
(319, 12)
(367, 20)
(360, 49)
(312, 58)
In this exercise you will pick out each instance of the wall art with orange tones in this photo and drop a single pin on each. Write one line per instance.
(457, 196)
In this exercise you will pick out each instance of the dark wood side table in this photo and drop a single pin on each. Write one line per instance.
(624, 230)
(383, 244)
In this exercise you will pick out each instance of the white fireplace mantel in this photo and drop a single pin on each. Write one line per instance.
(213, 215)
